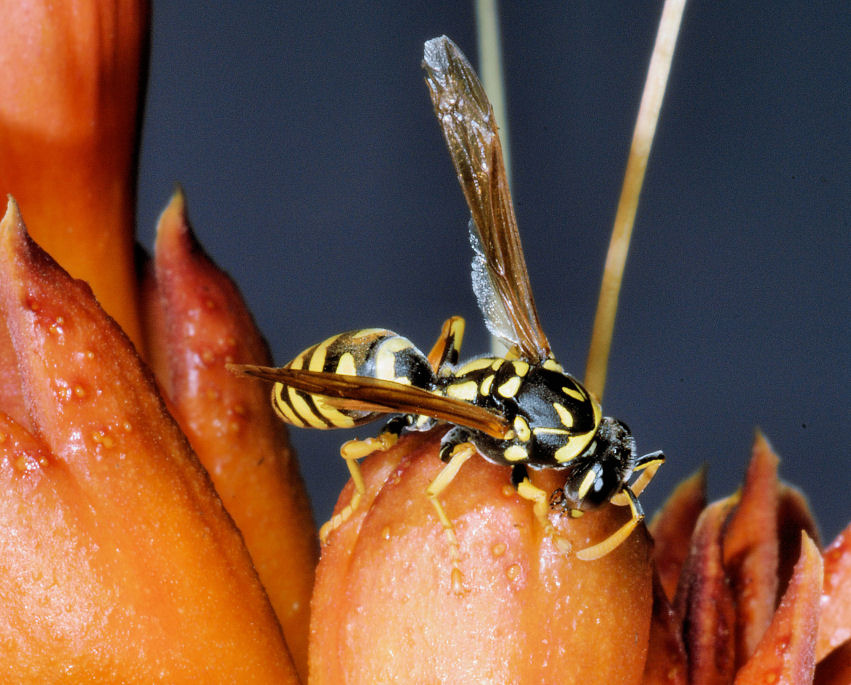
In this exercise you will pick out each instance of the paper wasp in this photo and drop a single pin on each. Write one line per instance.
(521, 410)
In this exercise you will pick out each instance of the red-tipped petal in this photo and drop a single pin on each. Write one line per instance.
(786, 653)
(672, 527)
(229, 420)
(835, 624)
(793, 516)
(142, 555)
(385, 607)
(750, 549)
(667, 663)
(705, 602)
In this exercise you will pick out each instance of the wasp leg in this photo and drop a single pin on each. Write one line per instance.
(540, 507)
(648, 465)
(448, 345)
(459, 454)
(354, 450)
(601, 549)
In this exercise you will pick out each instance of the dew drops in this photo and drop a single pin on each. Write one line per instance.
(127, 426)
(21, 463)
(498, 549)
(513, 572)
(103, 438)
(385, 533)
(79, 391)
(208, 357)
(3, 437)
(507, 490)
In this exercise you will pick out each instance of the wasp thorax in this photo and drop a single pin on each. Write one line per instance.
(603, 469)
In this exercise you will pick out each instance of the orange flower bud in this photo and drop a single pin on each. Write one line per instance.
(385, 607)
(70, 84)
(117, 558)
(204, 324)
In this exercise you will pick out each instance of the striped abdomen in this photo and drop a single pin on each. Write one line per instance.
(370, 352)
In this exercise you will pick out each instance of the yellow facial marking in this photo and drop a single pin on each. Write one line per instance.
(515, 453)
(521, 427)
(473, 365)
(585, 485)
(497, 363)
(467, 391)
(553, 365)
(575, 393)
(521, 368)
(510, 387)
(564, 416)
(385, 359)
(486, 385)
(346, 365)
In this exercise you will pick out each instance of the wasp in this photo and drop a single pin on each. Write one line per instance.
(522, 409)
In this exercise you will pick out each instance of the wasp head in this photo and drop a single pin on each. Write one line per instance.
(603, 468)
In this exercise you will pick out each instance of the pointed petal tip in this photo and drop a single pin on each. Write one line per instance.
(12, 218)
(173, 229)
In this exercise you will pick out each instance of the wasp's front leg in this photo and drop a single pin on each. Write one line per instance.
(540, 505)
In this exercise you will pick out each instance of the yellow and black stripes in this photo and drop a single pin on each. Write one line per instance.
(369, 352)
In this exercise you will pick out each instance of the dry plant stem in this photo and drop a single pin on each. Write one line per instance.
(645, 128)
(493, 80)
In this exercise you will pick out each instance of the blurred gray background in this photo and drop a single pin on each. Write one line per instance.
(317, 176)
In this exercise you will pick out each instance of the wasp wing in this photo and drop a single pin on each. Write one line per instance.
(371, 394)
(500, 278)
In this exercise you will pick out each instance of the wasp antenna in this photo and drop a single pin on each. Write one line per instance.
(642, 139)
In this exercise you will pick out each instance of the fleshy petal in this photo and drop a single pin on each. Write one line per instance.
(793, 516)
(385, 609)
(666, 656)
(835, 624)
(705, 602)
(229, 420)
(786, 653)
(71, 75)
(750, 549)
(143, 574)
(672, 526)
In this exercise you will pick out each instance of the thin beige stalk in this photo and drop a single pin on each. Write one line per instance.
(645, 128)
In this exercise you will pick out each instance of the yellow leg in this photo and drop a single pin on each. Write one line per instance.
(648, 469)
(446, 348)
(351, 451)
(460, 454)
(601, 549)
(541, 507)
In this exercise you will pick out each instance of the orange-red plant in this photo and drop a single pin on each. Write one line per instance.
(124, 557)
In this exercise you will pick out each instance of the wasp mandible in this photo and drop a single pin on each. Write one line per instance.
(521, 410)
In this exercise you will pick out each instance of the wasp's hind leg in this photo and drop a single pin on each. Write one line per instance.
(448, 346)
(540, 505)
(455, 450)
(353, 451)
